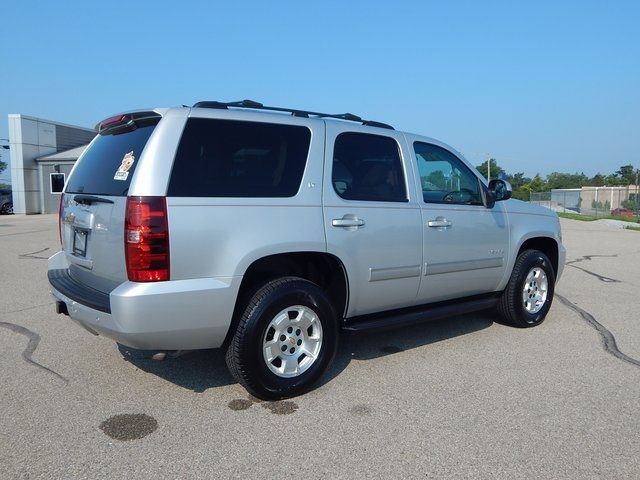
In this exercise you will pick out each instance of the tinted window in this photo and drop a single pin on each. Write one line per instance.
(108, 164)
(226, 158)
(444, 177)
(368, 167)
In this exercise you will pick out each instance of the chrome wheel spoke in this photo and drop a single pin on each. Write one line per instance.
(290, 366)
(307, 355)
(272, 350)
(306, 319)
(279, 320)
(312, 345)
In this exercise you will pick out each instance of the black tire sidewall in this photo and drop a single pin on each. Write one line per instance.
(296, 292)
(534, 259)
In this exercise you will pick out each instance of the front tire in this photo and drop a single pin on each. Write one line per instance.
(528, 296)
(285, 340)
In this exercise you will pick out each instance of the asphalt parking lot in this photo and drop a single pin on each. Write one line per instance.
(461, 398)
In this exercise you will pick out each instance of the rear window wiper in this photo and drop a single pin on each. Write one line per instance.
(90, 199)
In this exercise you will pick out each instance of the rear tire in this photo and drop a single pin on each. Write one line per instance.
(527, 298)
(285, 339)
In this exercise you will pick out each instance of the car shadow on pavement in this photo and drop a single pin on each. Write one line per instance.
(367, 346)
(198, 370)
(203, 369)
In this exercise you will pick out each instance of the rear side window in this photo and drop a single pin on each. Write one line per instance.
(107, 166)
(368, 167)
(228, 158)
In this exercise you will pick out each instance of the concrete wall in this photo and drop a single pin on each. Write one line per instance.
(611, 197)
(30, 138)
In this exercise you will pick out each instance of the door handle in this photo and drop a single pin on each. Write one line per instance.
(439, 222)
(348, 221)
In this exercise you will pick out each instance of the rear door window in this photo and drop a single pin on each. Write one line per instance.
(368, 167)
(108, 164)
(230, 158)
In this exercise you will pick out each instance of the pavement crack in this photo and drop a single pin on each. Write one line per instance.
(590, 257)
(34, 254)
(602, 278)
(27, 353)
(26, 308)
(608, 340)
(25, 233)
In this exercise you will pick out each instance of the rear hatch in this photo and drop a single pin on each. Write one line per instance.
(92, 211)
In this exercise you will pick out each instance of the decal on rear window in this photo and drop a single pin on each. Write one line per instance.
(123, 170)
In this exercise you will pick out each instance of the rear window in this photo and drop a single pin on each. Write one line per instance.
(228, 158)
(108, 164)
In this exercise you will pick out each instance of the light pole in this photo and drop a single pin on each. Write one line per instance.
(637, 197)
(488, 167)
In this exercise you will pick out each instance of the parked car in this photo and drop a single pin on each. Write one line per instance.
(623, 212)
(268, 231)
(6, 202)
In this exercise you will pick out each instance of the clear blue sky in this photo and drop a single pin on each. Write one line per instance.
(541, 86)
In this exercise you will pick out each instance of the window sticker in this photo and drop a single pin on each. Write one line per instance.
(123, 169)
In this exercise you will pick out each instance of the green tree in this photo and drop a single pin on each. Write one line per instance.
(598, 180)
(627, 173)
(613, 180)
(566, 180)
(495, 169)
(517, 180)
(537, 184)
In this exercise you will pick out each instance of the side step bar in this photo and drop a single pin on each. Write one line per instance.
(423, 313)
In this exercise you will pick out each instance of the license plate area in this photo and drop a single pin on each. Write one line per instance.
(79, 246)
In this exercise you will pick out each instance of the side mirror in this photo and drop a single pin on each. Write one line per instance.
(501, 189)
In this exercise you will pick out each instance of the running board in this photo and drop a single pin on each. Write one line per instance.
(423, 313)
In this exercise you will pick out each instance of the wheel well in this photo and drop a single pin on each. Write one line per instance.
(323, 269)
(546, 245)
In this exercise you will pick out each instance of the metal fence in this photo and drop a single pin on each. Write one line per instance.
(617, 202)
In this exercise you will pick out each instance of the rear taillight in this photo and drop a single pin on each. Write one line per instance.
(146, 239)
(60, 218)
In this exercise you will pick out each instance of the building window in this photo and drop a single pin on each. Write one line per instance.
(56, 182)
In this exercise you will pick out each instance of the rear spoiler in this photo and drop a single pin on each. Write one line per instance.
(126, 122)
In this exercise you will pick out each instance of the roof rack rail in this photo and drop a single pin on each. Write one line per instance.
(295, 112)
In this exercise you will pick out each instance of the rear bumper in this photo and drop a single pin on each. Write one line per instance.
(67, 286)
(173, 315)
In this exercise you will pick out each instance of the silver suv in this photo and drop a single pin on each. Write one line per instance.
(268, 231)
